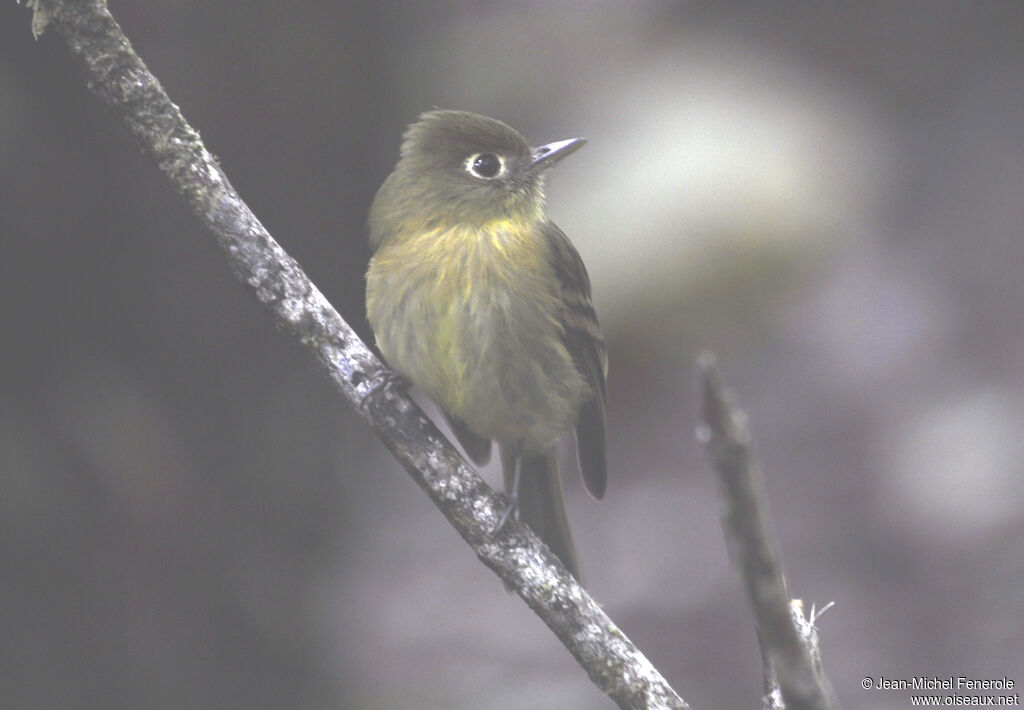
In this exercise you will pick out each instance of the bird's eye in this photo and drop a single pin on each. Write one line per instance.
(485, 165)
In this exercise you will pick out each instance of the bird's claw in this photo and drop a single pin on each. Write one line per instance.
(389, 379)
(511, 512)
(513, 504)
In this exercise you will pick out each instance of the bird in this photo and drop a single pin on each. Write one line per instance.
(482, 302)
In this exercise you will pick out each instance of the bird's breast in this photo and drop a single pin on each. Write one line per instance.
(472, 317)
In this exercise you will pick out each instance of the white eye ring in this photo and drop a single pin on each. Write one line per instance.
(481, 165)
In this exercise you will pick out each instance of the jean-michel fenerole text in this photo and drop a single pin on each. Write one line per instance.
(950, 683)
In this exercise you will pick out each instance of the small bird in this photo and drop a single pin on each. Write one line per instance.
(479, 300)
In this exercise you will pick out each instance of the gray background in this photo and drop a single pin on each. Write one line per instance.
(828, 195)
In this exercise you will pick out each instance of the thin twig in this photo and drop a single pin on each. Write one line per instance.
(788, 641)
(118, 76)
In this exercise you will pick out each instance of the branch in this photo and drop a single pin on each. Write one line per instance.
(793, 675)
(120, 79)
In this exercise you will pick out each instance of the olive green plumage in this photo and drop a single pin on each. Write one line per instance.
(484, 304)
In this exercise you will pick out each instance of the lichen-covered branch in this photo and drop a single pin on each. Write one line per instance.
(118, 76)
(794, 678)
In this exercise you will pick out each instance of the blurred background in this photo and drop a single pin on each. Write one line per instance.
(829, 196)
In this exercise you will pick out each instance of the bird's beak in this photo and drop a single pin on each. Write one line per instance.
(547, 155)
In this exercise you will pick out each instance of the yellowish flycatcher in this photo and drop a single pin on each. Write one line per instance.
(478, 299)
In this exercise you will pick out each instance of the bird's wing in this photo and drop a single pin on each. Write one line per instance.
(583, 339)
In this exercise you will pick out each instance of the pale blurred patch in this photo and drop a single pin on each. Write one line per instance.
(952, 469)
(710, 152)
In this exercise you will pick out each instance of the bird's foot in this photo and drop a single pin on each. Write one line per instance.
(389, 379)
(512, 511)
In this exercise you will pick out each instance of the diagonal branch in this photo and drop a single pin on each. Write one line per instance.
(120, 79)
(788, 640)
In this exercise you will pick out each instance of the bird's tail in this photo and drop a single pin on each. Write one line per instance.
(540, 502)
